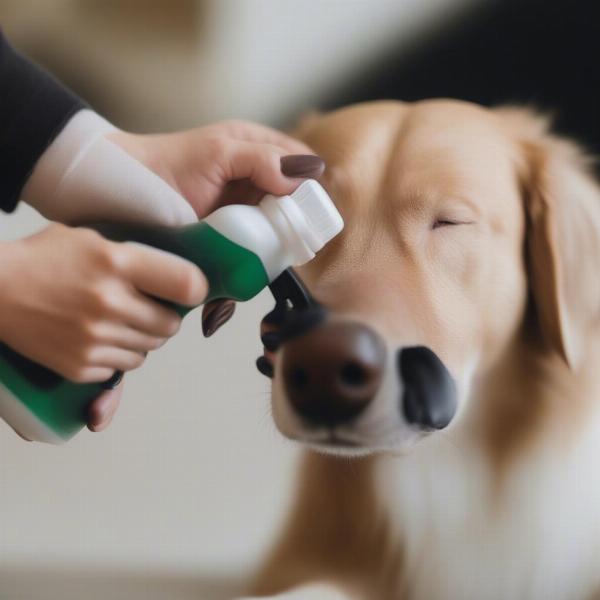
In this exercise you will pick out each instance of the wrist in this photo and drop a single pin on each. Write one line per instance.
(43, 186)
(152, 151)
(132, 144)
(89, 174)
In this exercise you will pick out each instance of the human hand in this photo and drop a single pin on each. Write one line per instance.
(80, 305)
(93, 172)
(224, 163)
(155, 178)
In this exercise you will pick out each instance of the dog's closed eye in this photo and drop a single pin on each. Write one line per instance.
(442, 223)
(452, 213)
(448, 222)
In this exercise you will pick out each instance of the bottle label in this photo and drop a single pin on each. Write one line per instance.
(55, 404)
(14, 412)
(232, 271)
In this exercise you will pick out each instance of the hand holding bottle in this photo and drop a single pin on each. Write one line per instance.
(81, 305)
(224, 163)
(77, 303)
(75, 167)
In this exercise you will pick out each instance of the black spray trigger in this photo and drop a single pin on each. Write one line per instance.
(296, 311)
(290, 293)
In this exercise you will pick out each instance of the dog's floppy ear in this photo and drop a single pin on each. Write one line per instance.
(562, 202)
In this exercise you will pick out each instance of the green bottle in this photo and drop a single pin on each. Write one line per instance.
(240, 249)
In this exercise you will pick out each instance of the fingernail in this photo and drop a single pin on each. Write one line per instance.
(270, 340)
(264, 365)
(216, 314)
(302, 165)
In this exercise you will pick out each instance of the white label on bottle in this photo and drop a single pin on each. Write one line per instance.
(22, 420)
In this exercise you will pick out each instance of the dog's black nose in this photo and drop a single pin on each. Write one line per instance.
(429, 399)
(333, 371)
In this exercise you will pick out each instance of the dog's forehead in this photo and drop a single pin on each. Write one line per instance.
(388, 154)
(361, 134)
(430, 150)
(369, 129)
(449, 139)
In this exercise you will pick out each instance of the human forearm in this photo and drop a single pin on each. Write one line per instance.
(85, 176)
(55, 156)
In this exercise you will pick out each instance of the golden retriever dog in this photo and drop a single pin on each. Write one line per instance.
(449, 398)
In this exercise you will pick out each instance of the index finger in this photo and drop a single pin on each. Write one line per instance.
(164, 275)
(246, 131)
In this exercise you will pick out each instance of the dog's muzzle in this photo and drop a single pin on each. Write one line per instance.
(332, 369)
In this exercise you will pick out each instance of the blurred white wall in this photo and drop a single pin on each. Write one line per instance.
(286, 54)
(192, 477)
(257, 59)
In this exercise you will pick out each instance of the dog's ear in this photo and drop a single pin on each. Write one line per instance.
(562, 203)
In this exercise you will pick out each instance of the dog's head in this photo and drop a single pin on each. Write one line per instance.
(461, 223)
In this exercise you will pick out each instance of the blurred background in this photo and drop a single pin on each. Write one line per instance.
(182, 496)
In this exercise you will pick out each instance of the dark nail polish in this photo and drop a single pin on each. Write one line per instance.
(270, 340)
(264, 365)
(302, 165)
(215, 315)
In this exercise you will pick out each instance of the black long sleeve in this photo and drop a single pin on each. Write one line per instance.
(34, 107)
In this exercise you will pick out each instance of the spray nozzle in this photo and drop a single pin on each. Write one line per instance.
(323, 221)
(306, 219)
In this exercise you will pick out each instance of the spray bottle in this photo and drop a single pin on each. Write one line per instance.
(240, 250)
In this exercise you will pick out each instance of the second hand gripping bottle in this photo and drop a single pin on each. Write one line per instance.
(240, 250)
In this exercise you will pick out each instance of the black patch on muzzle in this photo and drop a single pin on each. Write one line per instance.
(429, 398)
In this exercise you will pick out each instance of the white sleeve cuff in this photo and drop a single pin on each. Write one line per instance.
(84, 177)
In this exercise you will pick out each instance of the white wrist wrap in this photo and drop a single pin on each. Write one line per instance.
(84, 177)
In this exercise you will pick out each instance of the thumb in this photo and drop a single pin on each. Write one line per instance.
(267, 167)
(103, 409)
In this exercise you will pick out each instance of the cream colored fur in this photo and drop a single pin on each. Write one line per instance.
(505, 503)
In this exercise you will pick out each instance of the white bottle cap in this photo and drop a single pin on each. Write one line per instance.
(322, 219)
(306, 219)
